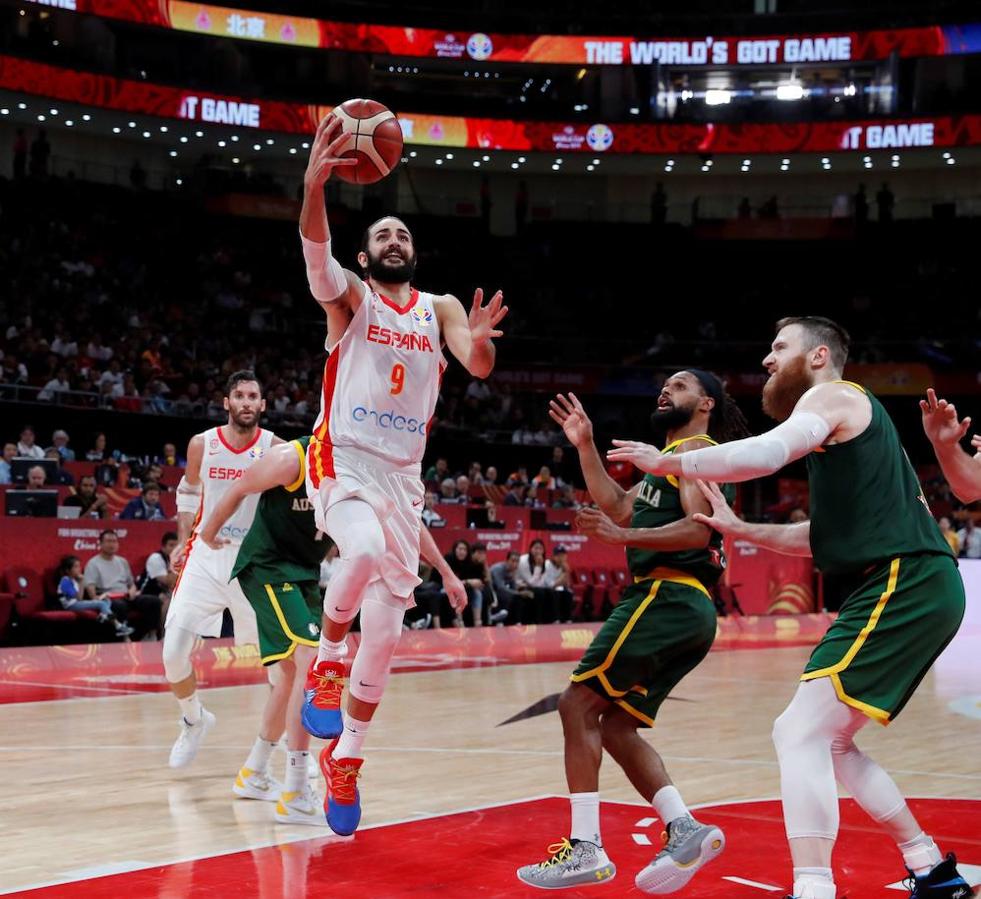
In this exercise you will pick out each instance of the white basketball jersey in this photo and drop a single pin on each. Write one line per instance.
(381, 382)
(221, 465)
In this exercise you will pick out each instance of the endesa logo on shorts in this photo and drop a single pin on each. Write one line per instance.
(388, 421)
(401, 341)
(233, 533)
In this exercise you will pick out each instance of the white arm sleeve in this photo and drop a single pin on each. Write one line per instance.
(754, 457)
(189, 496)
(324, 273)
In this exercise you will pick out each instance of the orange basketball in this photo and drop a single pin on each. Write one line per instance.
(374, 139)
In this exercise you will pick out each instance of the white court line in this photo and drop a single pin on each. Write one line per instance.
(539, 753)
(128, 867)
(753, 883)
(31, 683)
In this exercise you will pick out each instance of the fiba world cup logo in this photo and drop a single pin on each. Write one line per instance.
(479, 46)
(599, 138)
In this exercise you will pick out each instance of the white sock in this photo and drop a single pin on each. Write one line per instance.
(258, 759)
(297, 771)
(191, 708)
(669, 805)
(920, 854)
(352, 738)
(331, 652)
(585, 817)
(814, 883)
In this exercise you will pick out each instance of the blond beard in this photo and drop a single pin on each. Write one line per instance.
(784, 389)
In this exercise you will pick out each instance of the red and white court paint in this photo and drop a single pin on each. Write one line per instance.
(476, 852)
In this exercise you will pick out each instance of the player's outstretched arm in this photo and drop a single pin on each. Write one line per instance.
(456, 593)
(789, 539)
(615, 502)
(822, 410)
(962, 470)
(281, 466)
(471, 337)
(188, 499)
(329, 282)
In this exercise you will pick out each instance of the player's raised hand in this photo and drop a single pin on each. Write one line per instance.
(723, 519)
(456, 593)
(940, 420)
(325, 154)
(485, 319)
(567, 412)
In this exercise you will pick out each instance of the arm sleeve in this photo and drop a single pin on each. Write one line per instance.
(324, 273)
(754, 457)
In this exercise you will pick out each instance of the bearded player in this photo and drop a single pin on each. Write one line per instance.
(870, 521)
(381, 381)
(661, 629)
(216, 458)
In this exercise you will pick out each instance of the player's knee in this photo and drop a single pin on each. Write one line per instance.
(572, 703)
(796, 727)
(176, 656)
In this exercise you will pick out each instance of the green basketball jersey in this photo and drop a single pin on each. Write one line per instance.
(659, 503)
(282, 542)
(867, 505)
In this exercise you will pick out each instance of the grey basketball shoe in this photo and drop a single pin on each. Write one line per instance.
(572, 863)
(689, 846)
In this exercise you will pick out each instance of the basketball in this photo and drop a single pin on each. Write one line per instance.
(374, 139)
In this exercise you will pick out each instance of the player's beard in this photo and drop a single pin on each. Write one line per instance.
(784, 388)
(671, 418)
(243, 422)
(386, 273)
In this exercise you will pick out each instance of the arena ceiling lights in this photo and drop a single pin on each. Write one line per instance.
(253, 116)
(183, 143)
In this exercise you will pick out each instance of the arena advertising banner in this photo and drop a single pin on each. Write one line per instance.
(432, 43)
(451, 132)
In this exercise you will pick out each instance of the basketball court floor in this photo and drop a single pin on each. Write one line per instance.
(463, 779)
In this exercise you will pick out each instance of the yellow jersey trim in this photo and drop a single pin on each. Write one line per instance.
(851, 384)
(833, 671)
(673, 576)
(671, 447)
(279, 656)
(629, 708)
(600, 670)
(303, 468)
(676, 443)
(284, 624)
